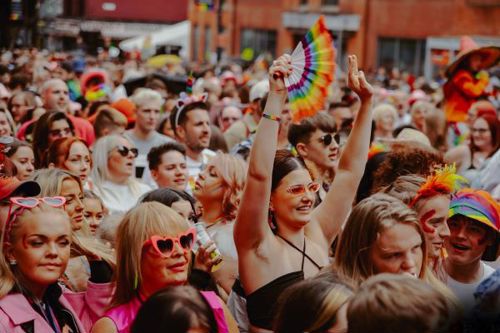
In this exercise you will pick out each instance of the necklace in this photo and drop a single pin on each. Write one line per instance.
(219, 220)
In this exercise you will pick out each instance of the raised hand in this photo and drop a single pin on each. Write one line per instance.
(356, 80)
(280, 69)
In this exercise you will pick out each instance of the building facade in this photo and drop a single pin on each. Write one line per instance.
(417, 36)
(97, 21)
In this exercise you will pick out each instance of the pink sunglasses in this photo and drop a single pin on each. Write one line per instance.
(164, 246)
(29, 203)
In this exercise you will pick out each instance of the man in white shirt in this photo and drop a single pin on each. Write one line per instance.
(474, 235)
(144, 135)
(191, 125)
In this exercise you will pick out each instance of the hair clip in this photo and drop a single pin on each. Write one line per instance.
(184, 100)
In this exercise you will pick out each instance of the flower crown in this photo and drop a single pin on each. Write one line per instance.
(184, 100)
(444, 181)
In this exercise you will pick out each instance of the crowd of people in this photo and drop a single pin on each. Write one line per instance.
(148, 208)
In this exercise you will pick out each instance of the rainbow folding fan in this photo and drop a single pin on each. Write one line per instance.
(313, 68)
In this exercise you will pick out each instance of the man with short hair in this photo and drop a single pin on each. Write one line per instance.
(168, 166)
(316, 141)
(144, 135)
(55, 97)
(474, 222)
(243, 128)
(191, 125)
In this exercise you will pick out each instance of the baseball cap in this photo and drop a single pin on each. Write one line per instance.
(259, 90)
(11, 186)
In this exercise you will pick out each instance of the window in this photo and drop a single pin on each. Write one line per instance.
(404, 54)
(260, 41)
(329, 2)
(208, 41)
(196, 41)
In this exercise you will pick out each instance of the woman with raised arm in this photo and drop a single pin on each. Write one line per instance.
(280, 189)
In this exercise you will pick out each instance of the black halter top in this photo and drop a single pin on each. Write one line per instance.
(260, 303)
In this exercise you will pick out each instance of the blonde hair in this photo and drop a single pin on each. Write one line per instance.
(394, 303)
(233, 171)
(10, 277)
(139, 224)
(100, 170)
(312, 305)
(84, 243)
(382, 109)
(145, 95)
(369, 218)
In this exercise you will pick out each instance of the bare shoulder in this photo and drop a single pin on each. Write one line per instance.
(104, 325)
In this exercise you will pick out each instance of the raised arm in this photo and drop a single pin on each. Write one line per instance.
(333, 211)
(251, 224)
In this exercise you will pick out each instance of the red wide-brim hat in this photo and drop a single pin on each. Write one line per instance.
(489, 54)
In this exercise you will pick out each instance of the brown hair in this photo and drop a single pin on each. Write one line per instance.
(175, 310)
(392, 303)
(284, 163)
(406, 158)
(368, 219)
(301, 133)
(41, 134)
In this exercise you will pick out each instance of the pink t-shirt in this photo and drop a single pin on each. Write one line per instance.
(123, 315)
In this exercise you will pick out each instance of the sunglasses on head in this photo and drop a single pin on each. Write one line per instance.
(328, 138)
(123, 150)
(164, 246)
(301, 188)
(29, 203)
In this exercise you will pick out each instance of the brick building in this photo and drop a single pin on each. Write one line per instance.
(64, 20)
(415, 35)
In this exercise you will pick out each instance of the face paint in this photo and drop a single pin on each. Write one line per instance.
(423, 221)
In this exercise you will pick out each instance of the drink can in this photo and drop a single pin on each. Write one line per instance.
(203, 238)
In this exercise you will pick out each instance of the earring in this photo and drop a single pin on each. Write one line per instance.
(12, 262)
(136, 281)
(272, 221)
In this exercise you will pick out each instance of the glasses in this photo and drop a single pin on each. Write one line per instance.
(29, 202)
(328, 138)
(164, 246)
(123, 150)
(479, 130)
(302, 189)
(61, 132)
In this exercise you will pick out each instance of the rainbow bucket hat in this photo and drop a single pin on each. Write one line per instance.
(479, 206)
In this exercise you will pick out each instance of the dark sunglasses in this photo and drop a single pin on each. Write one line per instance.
(125, 150)
(328, 138)
(164, 246)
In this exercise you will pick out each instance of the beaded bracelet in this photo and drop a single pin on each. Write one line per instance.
(271, 117)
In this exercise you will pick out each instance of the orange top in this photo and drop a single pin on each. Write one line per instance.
(460, 92)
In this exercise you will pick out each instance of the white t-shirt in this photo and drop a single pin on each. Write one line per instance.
(195, 167)
(465, 291)
(119, 198)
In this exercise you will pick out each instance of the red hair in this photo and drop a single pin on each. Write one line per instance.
(58, 151)
(494, 126)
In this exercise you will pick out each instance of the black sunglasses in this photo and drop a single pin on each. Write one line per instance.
(328, 138)
(125, 150)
